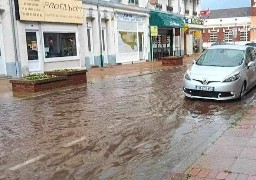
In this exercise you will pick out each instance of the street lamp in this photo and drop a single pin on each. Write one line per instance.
(246, 28)
(235, 31)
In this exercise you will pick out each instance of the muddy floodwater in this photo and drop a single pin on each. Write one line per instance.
(137, 127)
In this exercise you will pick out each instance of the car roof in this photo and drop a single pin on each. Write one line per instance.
(229, 46)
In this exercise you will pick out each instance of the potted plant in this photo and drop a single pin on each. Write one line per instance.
(74, 76)
(37, 82)
(172, 60)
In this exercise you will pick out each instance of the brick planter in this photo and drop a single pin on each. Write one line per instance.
(74, 77)
(172, 60)
(31, 86)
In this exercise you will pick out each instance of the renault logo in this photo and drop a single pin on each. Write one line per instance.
(205, 82)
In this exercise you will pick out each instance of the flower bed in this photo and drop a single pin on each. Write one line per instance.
(74, 76)
(172, 60)
(38, 82)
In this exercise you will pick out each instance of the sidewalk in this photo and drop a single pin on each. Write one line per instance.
(232, 156)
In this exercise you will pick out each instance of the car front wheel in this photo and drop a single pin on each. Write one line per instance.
(243, 91)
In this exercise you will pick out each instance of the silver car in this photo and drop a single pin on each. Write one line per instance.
(222, 72)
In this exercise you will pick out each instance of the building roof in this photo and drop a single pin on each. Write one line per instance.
(229, 13)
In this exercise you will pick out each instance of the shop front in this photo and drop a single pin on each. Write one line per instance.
(131, 37)
(168, 42)
(48, 35)
(193, 35)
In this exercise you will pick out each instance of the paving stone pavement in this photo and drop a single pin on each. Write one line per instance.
(232, 156)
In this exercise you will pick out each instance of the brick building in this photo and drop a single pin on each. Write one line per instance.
(227, 25)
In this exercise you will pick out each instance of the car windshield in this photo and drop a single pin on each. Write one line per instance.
(221, 57)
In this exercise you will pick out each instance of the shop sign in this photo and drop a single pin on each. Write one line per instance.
(194, 20)
(129, 17)
(154, 30)
(186, 27)
(63, 11)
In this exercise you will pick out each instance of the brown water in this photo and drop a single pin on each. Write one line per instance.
(130, 128)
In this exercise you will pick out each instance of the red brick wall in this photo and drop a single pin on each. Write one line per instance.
(206, 35)
(253, 9)
(221, 34)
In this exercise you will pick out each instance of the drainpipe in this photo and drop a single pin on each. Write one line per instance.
(100, 37)
(14, 30)
(180, 28)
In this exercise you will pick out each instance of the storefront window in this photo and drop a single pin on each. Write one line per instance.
(163, 44)
(89, 40)
(60, 44)
(103, 40)
(32, 46)
(127, 42)
(140, 42)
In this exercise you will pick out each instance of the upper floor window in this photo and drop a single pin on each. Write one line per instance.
(136, 2)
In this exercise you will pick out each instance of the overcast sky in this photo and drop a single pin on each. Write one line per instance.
(224, 4)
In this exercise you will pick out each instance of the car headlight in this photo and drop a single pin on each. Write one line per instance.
(232, 78)
(187, 77)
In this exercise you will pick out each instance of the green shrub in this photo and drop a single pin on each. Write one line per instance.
(38, 76)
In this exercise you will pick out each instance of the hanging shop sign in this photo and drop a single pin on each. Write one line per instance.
(154, 30)
(194, 20)
(186, 27)
(63, 11)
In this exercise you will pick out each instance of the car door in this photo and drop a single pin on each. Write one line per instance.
(253, 52)
(250, 71)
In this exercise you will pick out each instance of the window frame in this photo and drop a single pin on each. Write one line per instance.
(134, 2)
(213, 35)
(244, 37)
(66, 58)
(228, 35)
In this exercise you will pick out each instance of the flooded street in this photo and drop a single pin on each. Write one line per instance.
(139, 127)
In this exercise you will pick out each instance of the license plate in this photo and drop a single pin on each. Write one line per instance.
(205, 88)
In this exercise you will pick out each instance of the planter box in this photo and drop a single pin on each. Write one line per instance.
(31, 86)
(172, 60)
(74, 77)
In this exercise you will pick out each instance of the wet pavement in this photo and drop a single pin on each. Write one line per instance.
(138, 127)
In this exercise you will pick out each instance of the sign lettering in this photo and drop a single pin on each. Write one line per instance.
(63, 11)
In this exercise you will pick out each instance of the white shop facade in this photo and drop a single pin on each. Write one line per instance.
(48, 35)
(132, 36)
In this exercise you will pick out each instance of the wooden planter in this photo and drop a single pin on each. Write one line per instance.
(74, 77)
(31, 86)
(172, 60)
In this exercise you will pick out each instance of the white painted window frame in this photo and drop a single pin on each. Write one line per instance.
(59, 59)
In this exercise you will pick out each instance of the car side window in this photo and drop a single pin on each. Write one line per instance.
(253, 54)
(248, 55)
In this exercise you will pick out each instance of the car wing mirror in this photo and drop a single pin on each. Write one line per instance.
(194, 61)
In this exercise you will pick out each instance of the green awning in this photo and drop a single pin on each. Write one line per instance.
(164, 20)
